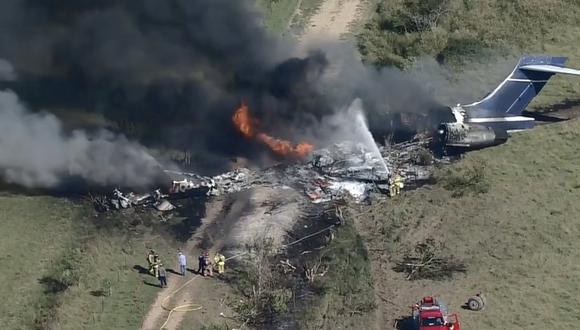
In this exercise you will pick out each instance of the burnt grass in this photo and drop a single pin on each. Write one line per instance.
(178, 225)
(343, 296)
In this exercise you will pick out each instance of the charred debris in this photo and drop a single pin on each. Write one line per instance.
(341, 170)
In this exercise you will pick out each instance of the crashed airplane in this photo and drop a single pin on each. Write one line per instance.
(345, 168)
(488, 122)
(341, 170)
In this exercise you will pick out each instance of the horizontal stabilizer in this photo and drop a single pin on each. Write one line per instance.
(525, 82)
(551, 69)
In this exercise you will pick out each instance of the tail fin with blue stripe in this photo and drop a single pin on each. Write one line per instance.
(525, 82)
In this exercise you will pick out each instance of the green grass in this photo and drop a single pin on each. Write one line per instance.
(307, 9)
(404, 30)
(56, 260)
(277, 14)
(519, 240)
(282, 16)
(130, 297)
(560, 87)
(112, 255)
(36, 231)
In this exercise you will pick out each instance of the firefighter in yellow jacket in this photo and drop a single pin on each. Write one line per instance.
(220, 261)
(396, 184)
(152, 260)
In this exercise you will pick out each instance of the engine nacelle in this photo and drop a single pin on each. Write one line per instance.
(469, 136)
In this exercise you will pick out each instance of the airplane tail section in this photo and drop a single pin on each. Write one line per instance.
(507, 101)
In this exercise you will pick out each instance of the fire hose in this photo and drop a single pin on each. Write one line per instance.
(195, 307)
(181, 308)
(289, 244)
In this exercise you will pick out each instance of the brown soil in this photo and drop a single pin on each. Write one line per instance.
(330, 23)
(195, 292)
(230, 222)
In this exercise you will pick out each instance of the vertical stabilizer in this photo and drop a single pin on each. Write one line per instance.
(504, 105)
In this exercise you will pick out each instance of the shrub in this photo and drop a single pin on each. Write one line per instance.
(453, 30)
(261, 286)
(66, 272)
(429, 261)
(469, 179)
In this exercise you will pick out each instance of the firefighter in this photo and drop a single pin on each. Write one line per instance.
(156, 266)
(208, 265)
(220, 261)
(201, 264)
(396, 184)
(152, 258)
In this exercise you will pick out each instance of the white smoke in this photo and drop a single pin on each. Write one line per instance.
(7, 72)
(35, 151)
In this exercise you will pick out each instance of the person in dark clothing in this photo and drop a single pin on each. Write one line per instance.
(201, 265)
(162, 277)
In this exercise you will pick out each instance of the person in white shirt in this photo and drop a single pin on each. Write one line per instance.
(182, 263)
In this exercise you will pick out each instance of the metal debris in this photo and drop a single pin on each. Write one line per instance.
(351, 162)
(164, 206)
(333, 173)
(123, 201)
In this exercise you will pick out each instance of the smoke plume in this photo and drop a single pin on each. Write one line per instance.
(6, 71)
(476, 79)
(171, 73)
(36, 152)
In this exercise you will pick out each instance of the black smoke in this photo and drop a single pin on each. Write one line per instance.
(176, 68)
(170, 73)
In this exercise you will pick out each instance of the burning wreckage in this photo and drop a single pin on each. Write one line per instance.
(342, 170)
(182, 185)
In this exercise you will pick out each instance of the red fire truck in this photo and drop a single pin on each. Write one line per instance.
(430, 314)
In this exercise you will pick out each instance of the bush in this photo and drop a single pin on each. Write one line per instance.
(66, 273)
(423, 157)
(260, 284)
(470, 179)
(429, 261)
(453, 30)
(278, 300)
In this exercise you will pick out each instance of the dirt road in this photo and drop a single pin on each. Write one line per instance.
(328, 29)
(229, 224)
(190, 294)
(332, 21)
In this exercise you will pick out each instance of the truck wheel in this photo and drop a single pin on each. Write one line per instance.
(475, 304)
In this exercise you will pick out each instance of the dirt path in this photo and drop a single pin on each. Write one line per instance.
(294, 15)
(229, 224)
(190, 294)
(332, 20)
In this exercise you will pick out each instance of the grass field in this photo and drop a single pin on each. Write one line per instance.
(36, 231)
(277, 14)
(111, 267)
(61, 266)
(65, 269)
(284, 17)
(560, 87)
(518, 240)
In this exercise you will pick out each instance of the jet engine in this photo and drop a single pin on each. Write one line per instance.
(468, 136)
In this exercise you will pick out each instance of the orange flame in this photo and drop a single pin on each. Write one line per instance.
(244, 121)
(247, 126)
